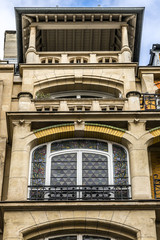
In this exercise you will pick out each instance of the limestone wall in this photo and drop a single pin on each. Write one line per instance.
(128, 224)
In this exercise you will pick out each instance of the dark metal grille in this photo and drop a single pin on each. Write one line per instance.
(156, 183)
(79, 192)
(150, 102)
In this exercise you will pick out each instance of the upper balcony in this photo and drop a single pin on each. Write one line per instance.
(79, 58)
(60, 35)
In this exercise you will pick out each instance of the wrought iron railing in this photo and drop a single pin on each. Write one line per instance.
(156, 184)
(150, 102)
(79, 192)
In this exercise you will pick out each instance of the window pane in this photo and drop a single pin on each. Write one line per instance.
(72, 144)
(120, 165)
(64, 238)
(63, 169)
(95, 169)
(38, 166)
(94, 238)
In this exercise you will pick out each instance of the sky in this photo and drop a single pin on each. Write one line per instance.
(151, 22)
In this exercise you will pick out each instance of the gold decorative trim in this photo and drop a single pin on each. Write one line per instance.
(102, 132)
(90, 131)
(54, 133)
(156, 133)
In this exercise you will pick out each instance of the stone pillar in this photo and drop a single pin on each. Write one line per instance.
(32, 37)
(19, 167)
(31, 55)
(64, 58)
(133, 100)
(95, 106)
(139, 166)
(126, 52)
(63, 106)
(148, 85)
(25, 103)
(93, 58)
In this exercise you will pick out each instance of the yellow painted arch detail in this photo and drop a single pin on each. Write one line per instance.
(156, 133)
(89, 131)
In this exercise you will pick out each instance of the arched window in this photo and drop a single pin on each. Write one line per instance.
(79, 169)
(78, 237)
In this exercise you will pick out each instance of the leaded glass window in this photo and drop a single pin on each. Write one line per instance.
(64, 169)
(38, 167)
(94, 169)
(120, 165)
(85, 144)
(79, 237)
(77, 164)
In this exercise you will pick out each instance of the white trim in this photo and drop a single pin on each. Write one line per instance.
(79, 236)
(108, 154)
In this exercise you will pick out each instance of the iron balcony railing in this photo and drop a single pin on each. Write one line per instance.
(79, 192)
(156, 184)
(150, 102)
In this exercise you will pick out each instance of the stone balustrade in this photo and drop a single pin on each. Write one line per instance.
(74, 57)
(80, 105)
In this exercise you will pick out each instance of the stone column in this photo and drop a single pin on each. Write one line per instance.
(93, 58)
(139, 166)
(95, 106)
(64, 58)
(31, 55)
(19, 167)
(63, 106)
(32, 37)
(25, 103)
(126, 52)
(133, 100)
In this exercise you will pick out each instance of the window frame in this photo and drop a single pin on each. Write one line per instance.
(79, 236)
(109, 154)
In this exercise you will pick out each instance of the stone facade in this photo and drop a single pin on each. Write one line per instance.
(99, 95)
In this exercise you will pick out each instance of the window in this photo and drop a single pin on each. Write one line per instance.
(78, 237)
(79, 169)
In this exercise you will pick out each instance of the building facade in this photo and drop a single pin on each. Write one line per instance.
(80, 127)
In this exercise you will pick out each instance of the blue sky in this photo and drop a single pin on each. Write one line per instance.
(151, 29)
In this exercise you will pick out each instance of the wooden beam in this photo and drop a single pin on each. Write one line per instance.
(99, 39)
(78, 25)
(118, 40)
(37, 18)
(73, 40)
(92, 18)
(130, 17)
(65, 18)
(46, 18)
(101, 18)
(56, 39)
(82, 39)
(110, 18)
(90, 43)
(65, 39)
(83, 18)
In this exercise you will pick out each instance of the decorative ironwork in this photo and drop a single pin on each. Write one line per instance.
(150, 102)
(156, 183)
(80, 192)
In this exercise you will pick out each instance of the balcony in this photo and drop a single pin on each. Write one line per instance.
(81, 57)
(80, 193)
(80, 105)
(150, 102)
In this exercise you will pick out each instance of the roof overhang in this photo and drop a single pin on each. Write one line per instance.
(132, 16)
